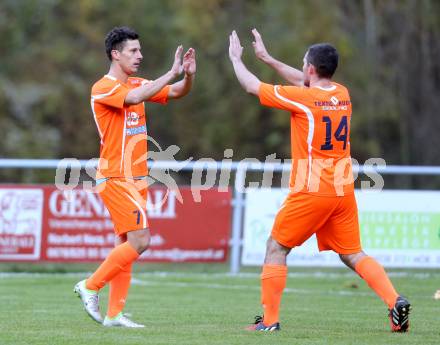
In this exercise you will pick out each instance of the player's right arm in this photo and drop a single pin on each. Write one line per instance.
(292, 75)
(274, 96)
(247, 80)
(147, 90)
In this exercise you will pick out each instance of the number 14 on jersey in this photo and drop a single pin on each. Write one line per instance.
(340, 134)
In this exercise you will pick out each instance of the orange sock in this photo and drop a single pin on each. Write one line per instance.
(273, 282)
(119, 286)
(119, 257)
(373, 273)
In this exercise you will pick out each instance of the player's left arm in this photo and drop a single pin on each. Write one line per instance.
(291, 74)
(248, 81)
(182, 87)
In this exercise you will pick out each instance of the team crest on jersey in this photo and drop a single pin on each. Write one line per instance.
(132, 118)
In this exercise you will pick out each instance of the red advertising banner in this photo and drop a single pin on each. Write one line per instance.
(42, 223)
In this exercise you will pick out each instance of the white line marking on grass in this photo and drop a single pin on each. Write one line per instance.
(43, 275)
(163, 274)
(207, 276)
(311, 274)
(135, 281)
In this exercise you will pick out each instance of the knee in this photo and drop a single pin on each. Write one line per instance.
(275, 252)
(140, 240)
(144, 243)
(271, 247)
(351, 260)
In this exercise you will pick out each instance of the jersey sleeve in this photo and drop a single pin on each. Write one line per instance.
(282, 97)
(110, 94)
(160, 97)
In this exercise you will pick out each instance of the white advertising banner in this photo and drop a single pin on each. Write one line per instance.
(399, 228)
(21, 214)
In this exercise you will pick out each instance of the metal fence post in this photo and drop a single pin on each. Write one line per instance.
(237, 216)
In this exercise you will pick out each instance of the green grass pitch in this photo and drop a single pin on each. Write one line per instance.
(319, 307)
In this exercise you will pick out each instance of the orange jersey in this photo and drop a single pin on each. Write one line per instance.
(320, 136)
(122, 128)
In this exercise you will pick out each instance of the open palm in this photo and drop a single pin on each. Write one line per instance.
(189, 62)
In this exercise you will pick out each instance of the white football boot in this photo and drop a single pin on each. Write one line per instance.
(90, 300)
(121, 320)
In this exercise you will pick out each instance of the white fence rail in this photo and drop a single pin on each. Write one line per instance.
(240, 170)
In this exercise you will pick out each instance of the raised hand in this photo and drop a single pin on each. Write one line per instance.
(189, 62)
(235, 48)
(177, 67)
(259, 48)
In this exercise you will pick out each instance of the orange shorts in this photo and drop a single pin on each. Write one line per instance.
(333, 219)
(126, 201)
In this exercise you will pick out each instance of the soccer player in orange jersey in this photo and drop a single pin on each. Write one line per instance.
(117, 102)
(321, 199)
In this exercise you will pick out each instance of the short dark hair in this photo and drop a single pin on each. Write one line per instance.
(325, 59)
(116, 38)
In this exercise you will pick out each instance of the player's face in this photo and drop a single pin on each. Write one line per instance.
(306, 73)
(130, 57)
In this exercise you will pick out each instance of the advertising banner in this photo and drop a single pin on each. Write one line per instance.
(44, 223)
(399, 228)
(21, 221)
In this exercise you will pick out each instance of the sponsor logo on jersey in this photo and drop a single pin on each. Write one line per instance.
(136, 130)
